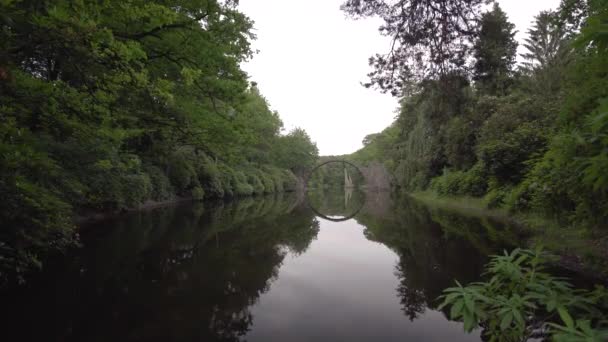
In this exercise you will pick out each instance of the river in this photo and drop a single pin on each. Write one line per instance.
(327, 267)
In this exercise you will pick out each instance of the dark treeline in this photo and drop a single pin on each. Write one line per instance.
(529, 136)
(107, 105)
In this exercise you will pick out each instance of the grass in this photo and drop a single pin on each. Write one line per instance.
(469, 206)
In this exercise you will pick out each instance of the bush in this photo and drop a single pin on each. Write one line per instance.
(256, 184)
(241, 186)
(521, 299)
(161, 185)
(35, 222)
(228, 180)
(495, 198)
(290, 181)
(209, 177)
(198, 193)
(450, 183)
(267, 181)
(455, 183)
(506, 157)
(521, 197)
(137, 188)
(278, 176)
(181, 171)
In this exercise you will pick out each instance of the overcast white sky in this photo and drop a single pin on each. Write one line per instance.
(312, 60)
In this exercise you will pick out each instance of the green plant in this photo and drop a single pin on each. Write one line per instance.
(198, 193)
(521, 300)
(290, 181)
(161, 186)
(256, 184)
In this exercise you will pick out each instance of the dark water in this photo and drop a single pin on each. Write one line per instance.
(265, 269)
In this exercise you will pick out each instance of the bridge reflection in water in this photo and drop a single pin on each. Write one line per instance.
(336, 205)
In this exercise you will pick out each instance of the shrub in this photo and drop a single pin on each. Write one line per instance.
(181, 171)
(161, 185)
(242, 187)
(136, 189)
(454, 183)
(290, 181)
(267, 181)
(279, 178)
(256, 184)
(521, 197)
(450, 183)
(228, 180)
(495, 198)
(521, 299)
(198, 193)
(209, 177)
(506, 157)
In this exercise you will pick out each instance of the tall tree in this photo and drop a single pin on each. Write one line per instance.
(495, 52)
(549, 51)
(430, 38)
(546, 42)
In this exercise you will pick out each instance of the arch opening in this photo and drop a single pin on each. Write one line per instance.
(335, 195)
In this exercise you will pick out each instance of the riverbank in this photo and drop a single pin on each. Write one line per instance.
(91, 215)
(579, 249)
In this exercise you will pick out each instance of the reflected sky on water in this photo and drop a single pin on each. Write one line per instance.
(260, 269)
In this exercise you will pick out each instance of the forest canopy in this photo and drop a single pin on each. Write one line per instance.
(528, 136)
(109, 105)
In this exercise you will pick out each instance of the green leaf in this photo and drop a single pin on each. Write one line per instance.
(505, 322)
(565, 316)
(468, 302)
(469, 323)
(456, 310)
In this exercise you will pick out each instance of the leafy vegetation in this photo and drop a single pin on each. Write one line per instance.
(108, 105)
(521, 301)
(528, 137)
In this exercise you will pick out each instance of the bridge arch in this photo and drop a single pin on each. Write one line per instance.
(342, 161)
(315, 210)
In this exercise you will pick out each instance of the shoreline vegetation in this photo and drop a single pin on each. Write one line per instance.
(86, 217)
(523, 139)
(109, 106)
(527, 137)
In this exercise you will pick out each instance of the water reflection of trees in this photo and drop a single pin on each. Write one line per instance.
(174, 274)
(435, 247)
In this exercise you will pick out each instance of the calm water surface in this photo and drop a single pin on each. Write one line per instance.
(264, 269)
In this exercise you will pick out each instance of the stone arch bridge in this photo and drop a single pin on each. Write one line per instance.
(375, 174)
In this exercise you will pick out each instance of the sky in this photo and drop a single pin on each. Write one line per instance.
(312, 59)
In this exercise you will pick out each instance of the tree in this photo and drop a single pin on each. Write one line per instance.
(107, 104)
(296, 151)
(429, 38)
(370, 138)
(494, 51)
(546, 42)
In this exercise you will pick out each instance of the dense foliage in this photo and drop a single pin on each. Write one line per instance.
(107, 105)
(522, 301)
(528, 137)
